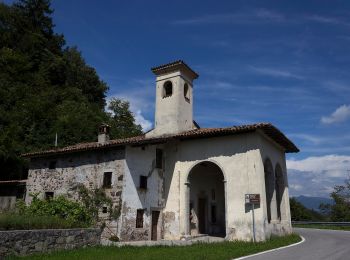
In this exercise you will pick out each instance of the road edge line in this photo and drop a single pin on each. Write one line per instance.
(325, 229)
(272, 250)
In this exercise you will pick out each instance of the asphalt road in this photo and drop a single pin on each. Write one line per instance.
(318, 245)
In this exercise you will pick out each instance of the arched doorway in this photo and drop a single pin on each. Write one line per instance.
(207, 200)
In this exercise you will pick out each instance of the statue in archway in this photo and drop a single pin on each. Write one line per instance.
(193, 222)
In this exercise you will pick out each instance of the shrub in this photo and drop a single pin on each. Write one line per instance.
(58, 212)
(114, 238)
(15, 221)
(94, 199)
(60, 207)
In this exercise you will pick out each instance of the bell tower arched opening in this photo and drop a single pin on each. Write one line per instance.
(174, 99)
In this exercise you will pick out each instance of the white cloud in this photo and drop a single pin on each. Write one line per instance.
(140, 120)
(327, 20)
(136, 107)
(341, 114)
(253, 17)
(268, 14)
(296, 187)
(317, 176)
(276, 72)
(327, 165)
(139, 93)
(337, 86)
(309, 138)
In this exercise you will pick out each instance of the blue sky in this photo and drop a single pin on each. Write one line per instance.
(284, 62)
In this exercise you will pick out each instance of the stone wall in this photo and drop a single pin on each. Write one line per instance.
(23, 242)
(7, 202)
(85, 168)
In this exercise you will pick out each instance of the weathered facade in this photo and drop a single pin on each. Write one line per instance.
(178, 180)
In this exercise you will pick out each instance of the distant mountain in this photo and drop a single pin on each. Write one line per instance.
(313, 202)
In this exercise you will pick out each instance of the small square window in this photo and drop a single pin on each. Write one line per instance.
(159, 158)
(104, 210)
(52, 165)
(143, 182)
(139, 218)
(49, 195)
(107, 180)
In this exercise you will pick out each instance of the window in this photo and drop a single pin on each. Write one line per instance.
(48, 195)
(187, 92)
(143, 182)
(159, 158)
(139, 218)
(107, 180)
(167, 89)
(104, 210)
(213, 213)
(213, 194)
(52, 165)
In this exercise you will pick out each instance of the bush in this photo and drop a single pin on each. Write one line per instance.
(95, 199)
(58, 212)
(114, 238)
(60, 207)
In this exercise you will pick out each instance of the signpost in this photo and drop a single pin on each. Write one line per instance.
(252, 199)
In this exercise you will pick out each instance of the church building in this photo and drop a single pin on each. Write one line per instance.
(178, 181)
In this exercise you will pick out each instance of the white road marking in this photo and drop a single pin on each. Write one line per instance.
(271, 250)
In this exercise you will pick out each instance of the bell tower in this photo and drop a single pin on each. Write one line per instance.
(174, 99)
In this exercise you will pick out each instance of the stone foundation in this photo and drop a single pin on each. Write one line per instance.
(23, 242)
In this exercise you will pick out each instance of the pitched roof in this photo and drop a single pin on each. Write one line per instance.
(267, 128)
(173, 66)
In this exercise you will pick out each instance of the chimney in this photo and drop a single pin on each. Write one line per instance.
(103, 133)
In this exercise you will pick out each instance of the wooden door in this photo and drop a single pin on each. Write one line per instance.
(202, 215)
(155, 218)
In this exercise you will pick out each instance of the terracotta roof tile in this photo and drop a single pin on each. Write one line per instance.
(172, 66)
(267, 128)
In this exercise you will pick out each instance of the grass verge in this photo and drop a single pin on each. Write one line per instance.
(224, 250)
(318, 226)
(14, 221)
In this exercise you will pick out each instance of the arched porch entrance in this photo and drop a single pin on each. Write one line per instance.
(206, 200)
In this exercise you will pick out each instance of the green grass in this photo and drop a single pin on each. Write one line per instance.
(318, 226)
(14, 221)
(224, 250)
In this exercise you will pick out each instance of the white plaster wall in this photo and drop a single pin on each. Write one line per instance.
(277, 156)
(240, 160)
(140, 161)
(173, 114)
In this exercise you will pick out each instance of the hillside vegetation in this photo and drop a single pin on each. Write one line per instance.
(46, 87)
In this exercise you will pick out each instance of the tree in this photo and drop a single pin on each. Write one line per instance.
(46, 88)
(340, 210)
(300, 213)
(122, 120)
